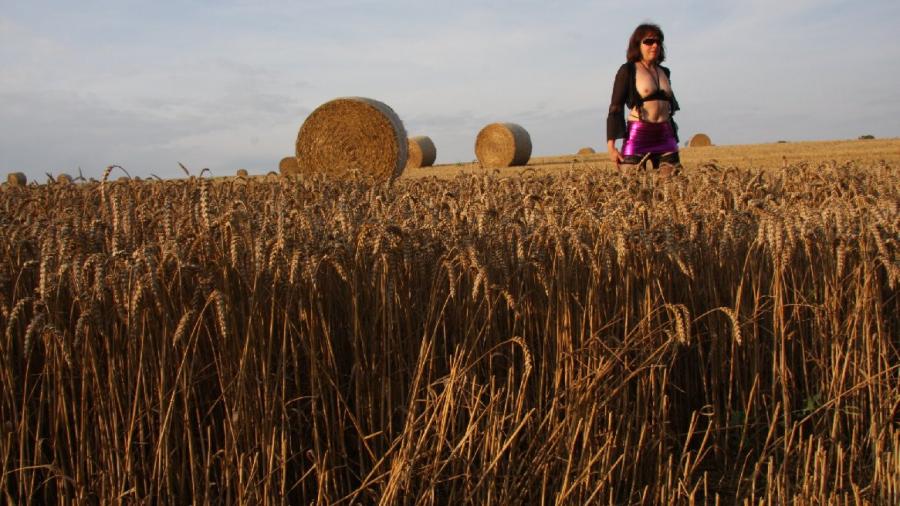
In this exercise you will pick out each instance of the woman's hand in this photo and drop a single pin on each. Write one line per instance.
(614, 154)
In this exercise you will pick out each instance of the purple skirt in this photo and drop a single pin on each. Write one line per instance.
(644, 137)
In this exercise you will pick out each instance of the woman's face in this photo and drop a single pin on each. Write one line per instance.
(650, 46)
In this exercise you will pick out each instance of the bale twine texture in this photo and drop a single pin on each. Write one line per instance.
(16, 179)
(503, 145)
(422, 152)
(586, 151)
(352, 133)
(288, 166)
(699, 140)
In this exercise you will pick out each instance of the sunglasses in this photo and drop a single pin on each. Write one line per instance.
(650, 42)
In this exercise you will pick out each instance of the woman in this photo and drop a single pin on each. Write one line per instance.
(642, 84)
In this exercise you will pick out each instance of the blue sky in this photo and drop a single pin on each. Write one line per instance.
(227, 84)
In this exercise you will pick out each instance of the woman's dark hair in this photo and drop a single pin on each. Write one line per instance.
(640, 33)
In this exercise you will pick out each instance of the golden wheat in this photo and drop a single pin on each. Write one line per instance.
(726, 335)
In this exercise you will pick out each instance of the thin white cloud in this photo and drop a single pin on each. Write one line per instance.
(227, 84)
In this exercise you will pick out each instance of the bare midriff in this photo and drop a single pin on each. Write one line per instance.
(653, 111)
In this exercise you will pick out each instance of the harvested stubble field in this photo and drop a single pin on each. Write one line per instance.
(750, 156)
(728, 335)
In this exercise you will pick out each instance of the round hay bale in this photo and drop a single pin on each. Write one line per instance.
(64, 179)
(352, 133)
(586, 151)
(503, 145)
(288, 166)
(16, 179)
(699, 140)
(242, 173)
(422, 152)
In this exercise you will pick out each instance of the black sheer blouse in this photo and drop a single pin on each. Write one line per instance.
(625, 94)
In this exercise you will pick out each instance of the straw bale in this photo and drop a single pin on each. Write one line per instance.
(699, 140)
(586, 151)
(242, 173)
(352, 133)
(16, 179)
(503, 145)
(288, 166)
(422, 152)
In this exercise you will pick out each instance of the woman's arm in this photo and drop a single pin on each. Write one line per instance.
(615, 120)
(614, 154)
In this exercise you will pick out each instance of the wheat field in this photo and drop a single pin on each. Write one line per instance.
(554, 335)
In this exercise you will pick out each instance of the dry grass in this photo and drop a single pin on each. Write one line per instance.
(287, 166)
(502, 145)
(349, 135)
(699, 141)
(422, 152)
(765, 157)
(776, 156)
(16, 179)
(729, 335)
